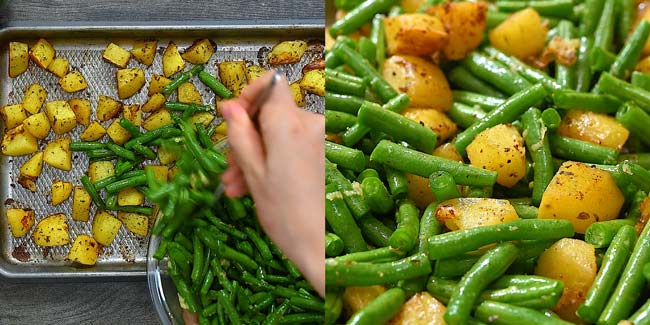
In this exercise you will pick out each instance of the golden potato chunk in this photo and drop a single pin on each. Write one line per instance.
(597, 128)
(313, 82)
(172, 60)
(133, 114)
(37, 125)
(155, 102)
(159, 118)
(30, 170)
(42, 53)
(13, 115)
(522, 34)
(134, 222)
(465, 23)
(187, 93)
(144, 51)
(448, 151)
(233, 76)
(356, 298)
(99, 170)
(105, 227)
(80, 204)
(129, 82)
(18, 58)
(130, 196)
(204, 118)
(254, 71)
(156, 84)
(34, 98)
(166, 156)
(582, 194)
(52, 231)
(287, 52)
(200, 52)
(116, 55)
(159, 171)
(419, 191)
(117, 133)
(421, 309)
(73, 81)
(108, 108)
(20, 221)
(59, 67)
(573, 262)
(298, 94)
(471, 212)
(60, 191)
(19, 142)
(437, 121)
(423, 81)
(93, 132)
(414, 34)
(81, 109)
(501, 149)
(84, 250)
(61, 116)
(58, 155)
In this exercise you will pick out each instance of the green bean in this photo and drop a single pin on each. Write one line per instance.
(341, 221)
(641, 158)
(457, 242)
(396, 11)
(381, 309)
(552, 119)
(601, 59)
(367, 50)
(551, 8)
(506, 314)
(486, 103)
(505, 113)
(599, 103)
(635, 120)
(407, 217)
(590, 17)
(583, 65)
(197, 260)
(630, 284)
(134, 209)
(347, 4)
(229, 308)
(358, 16)
(397, 182)
(464, 79)
(532, 75)
(377, 36)
(345, 157)
(353, 197)
(487, 269)
(86, 146)
(455, 266)
(365, 274)
(608, 274)
(642, 315)
(335, 83)
(126, 183)
(626, 13)
(184, 291)
(333, 244)
(333, 306)
(623, 90)
(539, 148)
(354, 133)
(217, 87)
(343, 103)
(495, 73)
(145, 151)
(443, 186)
(604, 33)
(464, 116)
(377, 196)
(129, 126)
(101, 154)
(583, 151)
(526, 211)
(565, 74)
(85, 181)
(161, 132)
(629, 55)
(175, 83)
(421, 164)
(184, 107)
(374, 231)
(336, 122)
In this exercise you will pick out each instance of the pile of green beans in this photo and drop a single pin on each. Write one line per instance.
(377, 233)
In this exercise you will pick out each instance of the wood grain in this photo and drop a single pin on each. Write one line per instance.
(117, 302)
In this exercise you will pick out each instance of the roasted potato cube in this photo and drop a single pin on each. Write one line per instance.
(52, 231)
(414, 34)
(422, 308)
(61, 116)
(108, 108)
(42, 53)
(233, 76)
(157, 83)
(448, 151)
(200, 52)
(155, 102)
(73, 81)
(18, 142)
(80, 204)
(59, 67)
(187, 93)
(501, 149)
(465, 23)
(522, 34)
(117, 133)
(172, 172)
(129, 82)
(423, 81)
(20, 221)
(93, 132)
(130, 196)
(314, 82)
(172, 60)
(222, 128)
(204, 118)
(165, 156)
(159, 171)
(134, 222)
(298, 94)
(58, 155)
(356, 298)
(84, 250)
(597, 128)
(317, 64)
(60, 191)
(471, 212)
(437, 121)
(254, 71)
(30, 170)
(34, 98)
(419, 191)
(287, 52)
(13, 115)
(116, 55)
(573, 262)
(582, 194)
(144, 51)
(105, 227)
(99, 170)
(18, 58)
(133, 114)
(37, 125)
(157, 119)
(81, 109)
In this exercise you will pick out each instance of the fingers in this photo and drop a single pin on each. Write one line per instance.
(234, 181)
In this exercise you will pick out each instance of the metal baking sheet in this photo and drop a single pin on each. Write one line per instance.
(83, 46)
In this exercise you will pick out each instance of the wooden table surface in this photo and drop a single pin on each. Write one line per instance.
(117, 302)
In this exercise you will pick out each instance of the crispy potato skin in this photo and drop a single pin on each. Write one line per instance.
(523, 34)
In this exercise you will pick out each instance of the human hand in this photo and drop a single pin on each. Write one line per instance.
(282, 165)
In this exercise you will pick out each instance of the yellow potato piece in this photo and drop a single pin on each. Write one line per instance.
(116, 55)
(419, 191)
(414, 34)
(42, 53)
(597, 128)
(172, 60)
(80, 204)
(81, 109)
(60, 191)
(144, 51)
(34, 98)
(84, 250)
(471, 212)
(18, 58)
(73, 81)
(356, 298)
(437, 121)
(200, 52)
(30, 171)
(13, 115)
(61, 116)
(20, 221)
(19, 142)
(135, 223)
(129, 82)
(522, 34)
(52, 231)
(58, 155)
(105, 227)
(501, 149)
(465, 22)
(421, 309)
(287, 52)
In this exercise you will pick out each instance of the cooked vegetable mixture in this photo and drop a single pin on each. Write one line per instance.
(488, 162)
